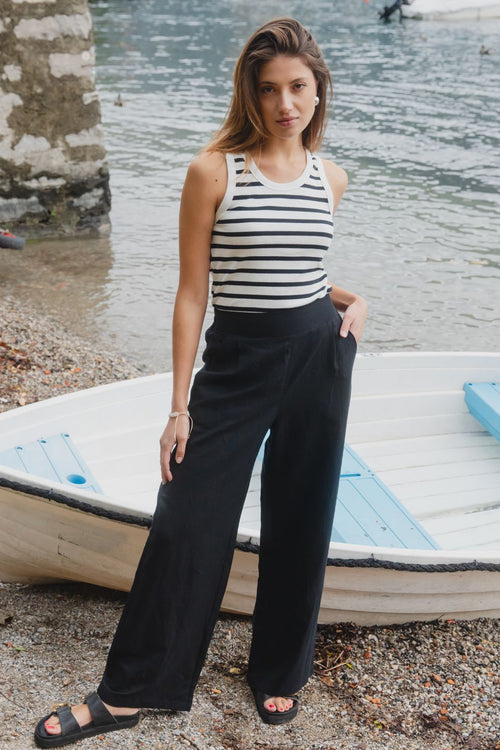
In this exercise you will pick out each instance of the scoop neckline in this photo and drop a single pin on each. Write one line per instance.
(283, 185)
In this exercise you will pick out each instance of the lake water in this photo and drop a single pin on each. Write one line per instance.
(415, 122)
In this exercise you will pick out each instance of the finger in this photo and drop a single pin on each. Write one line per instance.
(181, 450)
(166, 447)
(166, 474)
(345, 327)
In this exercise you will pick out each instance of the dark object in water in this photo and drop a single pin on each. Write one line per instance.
(10, 240)
(388, 10)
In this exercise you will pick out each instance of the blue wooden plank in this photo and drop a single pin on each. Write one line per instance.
(347, 528)
(54, 457)
(33, 460)
(352, 464)
(357, 520)
(382, 518)
(483, 401)
(12, 459)
(367, 512)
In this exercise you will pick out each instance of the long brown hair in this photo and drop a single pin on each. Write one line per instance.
(243, 129)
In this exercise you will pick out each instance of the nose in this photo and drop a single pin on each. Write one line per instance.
(285, 103)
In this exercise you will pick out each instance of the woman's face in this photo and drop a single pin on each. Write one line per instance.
(286, 90)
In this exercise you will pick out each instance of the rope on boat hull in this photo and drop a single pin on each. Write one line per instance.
(145, 521)
(72, 502)
(371, 562)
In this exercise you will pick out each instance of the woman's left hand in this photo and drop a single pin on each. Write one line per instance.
(354, 318)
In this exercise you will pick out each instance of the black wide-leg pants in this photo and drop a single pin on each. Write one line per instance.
(288, 372)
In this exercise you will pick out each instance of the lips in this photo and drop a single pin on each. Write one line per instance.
(286, 122)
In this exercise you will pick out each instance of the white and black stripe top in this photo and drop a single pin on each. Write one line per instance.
(269, 239)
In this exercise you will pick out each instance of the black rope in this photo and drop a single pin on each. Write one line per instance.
(415, 567)
(72, 502)
(145, 521)
(371, 562)
(248, 547)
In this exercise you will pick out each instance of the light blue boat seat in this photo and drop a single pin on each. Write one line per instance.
(56, 458)
(367, 512)
(483, 401)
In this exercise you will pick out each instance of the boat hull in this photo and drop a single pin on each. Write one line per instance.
(408, 420)
(48, 541)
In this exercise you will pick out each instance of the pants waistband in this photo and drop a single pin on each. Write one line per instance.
(275, 323)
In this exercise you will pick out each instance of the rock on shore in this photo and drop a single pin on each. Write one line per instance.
(431, 686)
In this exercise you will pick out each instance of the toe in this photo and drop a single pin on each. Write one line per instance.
(80, 712)
(284, 704)
(270, 705)
(52, 725)
(278, 704)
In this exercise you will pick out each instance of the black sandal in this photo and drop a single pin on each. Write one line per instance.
(275, 717)
(102, 721)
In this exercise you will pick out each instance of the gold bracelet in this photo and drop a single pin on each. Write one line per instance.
(175, 415)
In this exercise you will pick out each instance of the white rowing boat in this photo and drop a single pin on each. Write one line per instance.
(417, 527)
(463, 10)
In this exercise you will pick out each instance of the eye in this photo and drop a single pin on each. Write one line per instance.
(266, 89)
(299, 86)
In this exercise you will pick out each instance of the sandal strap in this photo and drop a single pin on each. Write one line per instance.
(100, 714)
(67, 720)
(265, 697)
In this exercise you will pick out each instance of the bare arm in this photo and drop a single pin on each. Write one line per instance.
(202, 193)
(337, 179)
(353, 306)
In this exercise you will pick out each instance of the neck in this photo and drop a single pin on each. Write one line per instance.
(280, 151)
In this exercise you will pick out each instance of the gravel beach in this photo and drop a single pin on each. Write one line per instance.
(423, 685)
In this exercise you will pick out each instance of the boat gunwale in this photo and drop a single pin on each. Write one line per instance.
(339, 554)
(77, 500)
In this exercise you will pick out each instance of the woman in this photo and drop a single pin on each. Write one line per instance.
(256, 214)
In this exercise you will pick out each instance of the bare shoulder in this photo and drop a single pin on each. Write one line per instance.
(208, 173)
(208, 166)
(336, 176)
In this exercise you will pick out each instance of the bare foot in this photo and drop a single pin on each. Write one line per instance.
(82, 715)
(278, 704)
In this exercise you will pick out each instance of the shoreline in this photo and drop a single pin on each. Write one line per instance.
(40, 358)
(431, 685)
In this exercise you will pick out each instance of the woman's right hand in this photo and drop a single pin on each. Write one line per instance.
(175, 433)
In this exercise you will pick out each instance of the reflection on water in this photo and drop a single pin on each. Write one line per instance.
(415, 123)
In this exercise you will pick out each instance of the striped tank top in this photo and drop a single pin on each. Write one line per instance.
(269, 239)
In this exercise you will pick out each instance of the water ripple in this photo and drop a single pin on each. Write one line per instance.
(414, 121)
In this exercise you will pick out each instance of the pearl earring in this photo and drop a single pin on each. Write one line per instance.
(316, 101)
